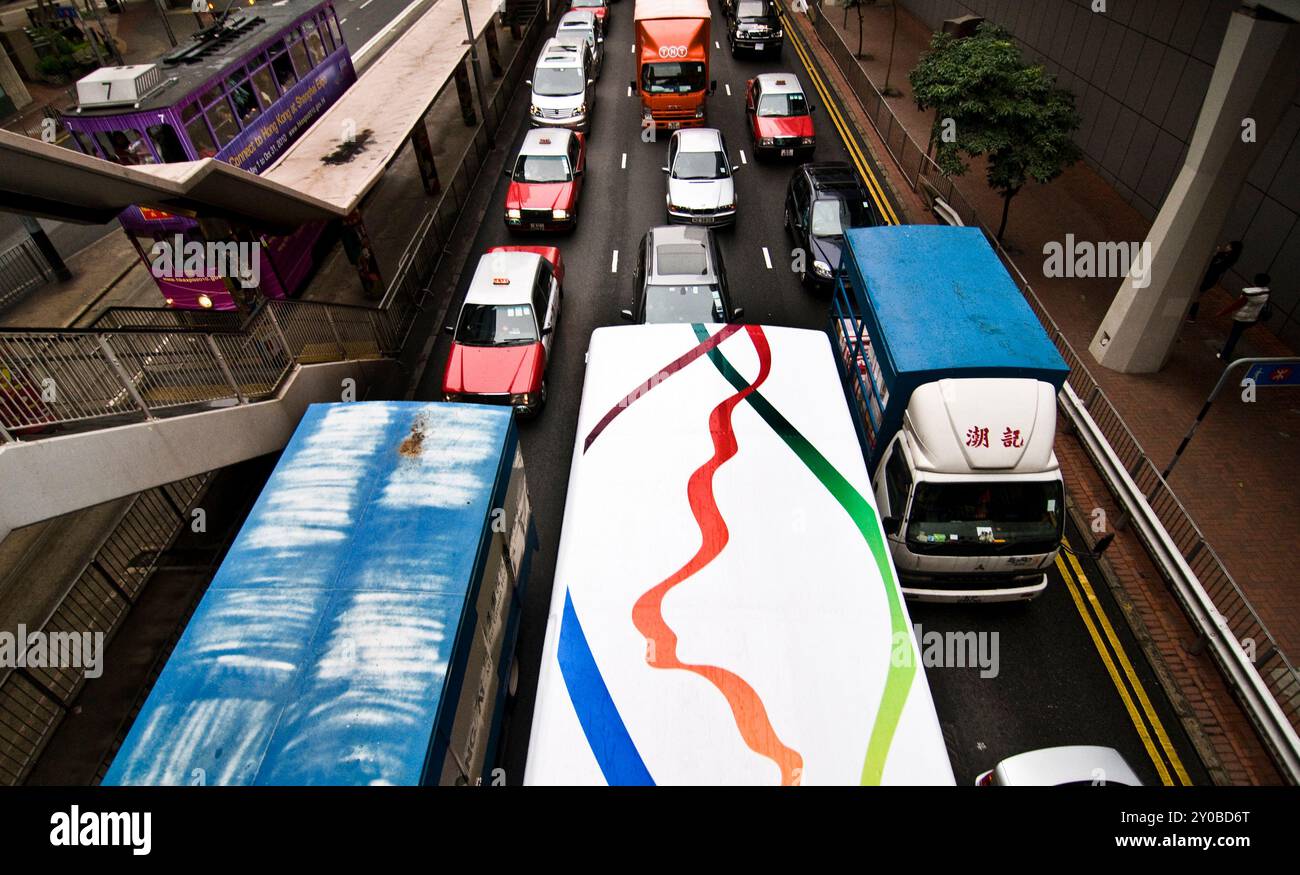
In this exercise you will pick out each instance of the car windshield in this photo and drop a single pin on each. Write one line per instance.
(751, 9)
(832, 215)
(700, 165)
(588, 3)
(672, 77)
(697, 303)
(496, 325)
(782, 105)
(558, 81)
(986, 518)
(542, 168)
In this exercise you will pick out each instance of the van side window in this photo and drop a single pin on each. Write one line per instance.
(898, 482)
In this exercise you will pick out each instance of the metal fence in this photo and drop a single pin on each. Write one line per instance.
(1232, 606)
(22, 268)
(34, 701)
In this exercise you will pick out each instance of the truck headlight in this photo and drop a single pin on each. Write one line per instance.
(646, 113)
(559, 215)
(699, 111)
(766, 141)
(822, 269)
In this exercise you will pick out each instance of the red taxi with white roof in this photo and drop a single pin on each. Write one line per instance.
(546, 181)
(501, 341)
(599, 8)
(779, 116)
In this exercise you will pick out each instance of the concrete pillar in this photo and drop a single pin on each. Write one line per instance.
(490, 37)
(11, 84)
(424, 158)
(466, 95)
(1254, 79)
(356, 245)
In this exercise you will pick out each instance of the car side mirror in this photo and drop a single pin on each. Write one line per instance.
(737, 314)
(548, 330)
(528, 82)
(600, 39)
(713, 85)
(627, 315)
(811, 110)
(449, 329)
(664, 169)
(736, 168)
(579, 171)
(631, 83)
(591, 81)
(891, 525)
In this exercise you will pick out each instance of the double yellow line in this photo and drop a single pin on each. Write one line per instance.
(1145, 719)
(884, 207)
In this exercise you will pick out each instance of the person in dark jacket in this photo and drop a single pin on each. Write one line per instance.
(1224, 258)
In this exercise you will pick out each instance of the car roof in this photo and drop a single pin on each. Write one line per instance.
(1053, 766)
(832, 177)
(546, 141)
(699, 140)
(767, 4)
(518, 269)
(576, 17)
(562, 58)
(556, 44)
(679, 236)
(779, 83)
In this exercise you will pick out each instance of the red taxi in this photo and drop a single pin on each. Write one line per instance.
(780, 117)
(546, 181)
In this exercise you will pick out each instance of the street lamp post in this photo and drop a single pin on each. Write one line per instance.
(478, 74)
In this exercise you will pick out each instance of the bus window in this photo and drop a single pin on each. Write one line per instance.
(167, 144)
(197, 129)
(334, 28)
(314, 46)
(221, 119)
(300, 61)
(283, 68)
(264, 84)
(245, 103)
(125, 147)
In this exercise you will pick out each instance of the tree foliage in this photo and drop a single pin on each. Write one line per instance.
(1000, 107)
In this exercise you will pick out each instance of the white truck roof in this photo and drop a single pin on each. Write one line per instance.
(1000, 425)
(769, 659)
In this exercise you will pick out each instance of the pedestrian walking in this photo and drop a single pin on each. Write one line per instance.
(1224, 258)
(1246, 311)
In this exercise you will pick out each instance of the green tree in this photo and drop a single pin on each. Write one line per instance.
(998, 106)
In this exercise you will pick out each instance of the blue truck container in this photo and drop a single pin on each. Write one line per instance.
(362, 626)
(914, 304)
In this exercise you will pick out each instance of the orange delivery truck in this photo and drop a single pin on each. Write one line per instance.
(672, 66)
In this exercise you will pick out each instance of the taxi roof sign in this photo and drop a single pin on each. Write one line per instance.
(500, 280)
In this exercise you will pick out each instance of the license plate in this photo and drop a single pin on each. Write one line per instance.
(758, 47)
(787, 153)
(700, 220)
(536, 226)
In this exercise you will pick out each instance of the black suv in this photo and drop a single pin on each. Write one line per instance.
(820, 202)
(753, 26)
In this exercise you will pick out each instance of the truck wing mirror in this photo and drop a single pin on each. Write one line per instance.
(627, 315)
(631, 83)
(891, 525)
(737, 314)
(713, 85)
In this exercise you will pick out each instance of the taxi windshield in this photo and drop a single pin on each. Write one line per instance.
(542, 168)
(496, 325)
(782, 105)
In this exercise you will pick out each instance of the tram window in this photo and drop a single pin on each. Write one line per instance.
(85, 143)
(314, 46)
(167, 144)
(125, 147)
(197, 129)
(222, 120)
(300, 61)
(264, 85)
(244, 101)
(283, 68)
(334, 29)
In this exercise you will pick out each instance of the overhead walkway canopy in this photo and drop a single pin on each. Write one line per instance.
(338, 160)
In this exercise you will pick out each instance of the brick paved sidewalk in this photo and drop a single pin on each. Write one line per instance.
(1238, 477)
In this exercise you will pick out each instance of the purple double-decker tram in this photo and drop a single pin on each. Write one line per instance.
(241, 91)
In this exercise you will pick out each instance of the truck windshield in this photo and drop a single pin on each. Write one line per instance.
(558, 81)
(672, 77)
(496, 325)
(971, 519)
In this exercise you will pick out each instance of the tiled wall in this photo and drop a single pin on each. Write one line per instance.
(1139, 72)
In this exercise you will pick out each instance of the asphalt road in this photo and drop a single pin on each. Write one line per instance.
(1052, 686)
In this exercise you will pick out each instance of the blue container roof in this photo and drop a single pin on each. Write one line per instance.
(319, 653)
(945, 306)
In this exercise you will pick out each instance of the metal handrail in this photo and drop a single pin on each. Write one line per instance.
(1268, 684)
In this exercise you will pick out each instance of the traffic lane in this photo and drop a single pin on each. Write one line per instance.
(362, 19)
(1051, 687)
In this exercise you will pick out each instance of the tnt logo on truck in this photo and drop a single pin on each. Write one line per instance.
(672, 51)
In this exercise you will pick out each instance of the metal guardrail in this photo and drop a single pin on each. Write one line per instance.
(22, 269)
(1264, 679)
(34, 701)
